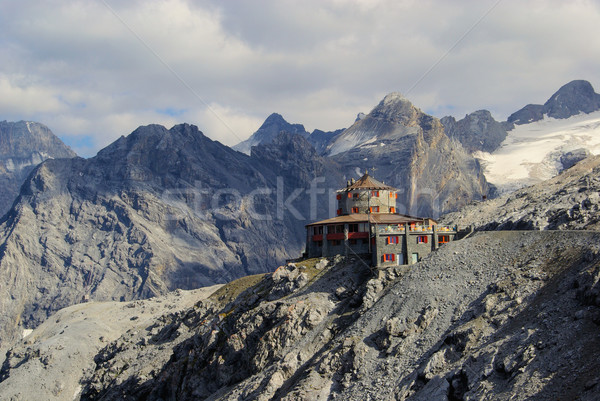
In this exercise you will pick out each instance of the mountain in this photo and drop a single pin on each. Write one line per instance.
(409, 150)
(24, 145)
(321, 139)
(269, 130)
(540, 141)
(154, 211)
(570, 100)
(476, 131)
(497, 315)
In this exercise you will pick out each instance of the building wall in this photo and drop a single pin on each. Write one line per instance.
(407, 246)
(363, 200)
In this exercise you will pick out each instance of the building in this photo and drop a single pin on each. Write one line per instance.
(368, 225)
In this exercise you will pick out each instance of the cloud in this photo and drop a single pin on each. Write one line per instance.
(98, 70)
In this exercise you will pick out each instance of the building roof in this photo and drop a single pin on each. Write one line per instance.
(367, 182)
(373, 218)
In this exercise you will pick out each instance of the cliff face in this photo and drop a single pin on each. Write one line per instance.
(409, 150)
(155, 211)
(24, 145)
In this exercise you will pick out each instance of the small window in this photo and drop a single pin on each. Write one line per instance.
(389, 257)
(364, 241)
(392, 210)
(392, 240)
(319, 244)
(339, 212)
(374, 209)
(352, 242)
(356, 195)
(392, 194)
(375, 194)
(354, 210)
(349, 195)
(339, 197)
(443, 239)
(421, 239)
(335, 242)
(353, 228)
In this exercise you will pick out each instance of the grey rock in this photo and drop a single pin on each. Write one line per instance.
(24, 145)
(268, 131)
(476, 131)
(571, 99)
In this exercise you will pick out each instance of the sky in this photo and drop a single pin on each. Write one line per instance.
(95, 70)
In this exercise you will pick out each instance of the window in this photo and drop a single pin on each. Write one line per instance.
(375, 194)
(335, 242)
(317, 230)
(319, 244)
(392, 210)
(392, 194)
(349, 195)
(421, 239)
(444, 239)
(374, 209)
(392, 240)
(355, 210)
(389, 257)
(364, 241)
(352, 242)
(353, 228)
(339, 212)
(356, 195)
(339, 197)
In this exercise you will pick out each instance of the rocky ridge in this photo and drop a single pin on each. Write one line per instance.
(568, 201)
(477, 131)
(24, 145)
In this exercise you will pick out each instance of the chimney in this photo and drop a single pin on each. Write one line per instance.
(352, 181)
(348, 183)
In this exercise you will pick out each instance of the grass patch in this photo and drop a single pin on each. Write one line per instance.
(232, 290)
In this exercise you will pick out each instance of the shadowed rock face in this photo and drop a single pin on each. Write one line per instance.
(155, 211)
(571, 99)
(408, 149)
(24, 145)
(477, 131)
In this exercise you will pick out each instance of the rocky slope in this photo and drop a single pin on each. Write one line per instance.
(498, 316)
(571, 200)
(24, 145)
(155, 211)
(408, 149)
(268, 131)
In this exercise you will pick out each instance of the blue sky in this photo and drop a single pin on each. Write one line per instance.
(93, 71)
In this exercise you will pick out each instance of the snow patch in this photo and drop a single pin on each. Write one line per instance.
(531, 152)
(26, 332)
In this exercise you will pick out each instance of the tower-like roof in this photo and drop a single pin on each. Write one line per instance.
(368, 183)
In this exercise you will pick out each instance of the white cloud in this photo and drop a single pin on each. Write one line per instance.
(87, 70)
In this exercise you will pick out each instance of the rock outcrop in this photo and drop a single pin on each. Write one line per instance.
(24, 145)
